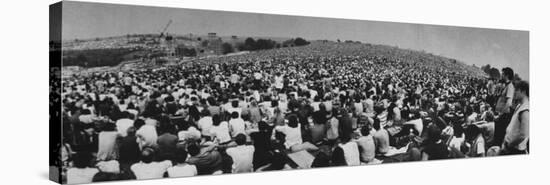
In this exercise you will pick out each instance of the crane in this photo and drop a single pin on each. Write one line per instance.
(165, 28)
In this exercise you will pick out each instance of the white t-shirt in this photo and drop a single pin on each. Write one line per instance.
(191, 133)
(205, 124)
(242, 158)
(79, 176)
(221, 132)
(237, 126)
(152, 170)
(111, 166)
(351, 153)
(293, 136)
(147, 135)
(122, 126)
(185, 170)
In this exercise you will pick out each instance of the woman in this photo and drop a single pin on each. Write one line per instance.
(338, 157)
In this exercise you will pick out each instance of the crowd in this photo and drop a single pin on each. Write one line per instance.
(325, 104)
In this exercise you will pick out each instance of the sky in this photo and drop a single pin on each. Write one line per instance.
(497, 47)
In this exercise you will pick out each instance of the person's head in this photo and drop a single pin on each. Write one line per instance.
(125, 114)
(138, 123)
(216, 120)
(274, 103)
(240, 139)
(234, 115)
(507, 74)
(338, 157)
(82, 159)
(205, 113)
(434, 133)
(522, 90)
(131, 131)
(235, 103)
(181, 155)
(193, 149)
(293, 121)
(147, 155)
(365, 131)
(321, 160)
(489, 116)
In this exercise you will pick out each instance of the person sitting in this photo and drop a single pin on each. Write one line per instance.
(435, 147)
(366, 145)
(81, 172)
(125, 122)
(262, 144)
(242, 155)
(277, 162)
(220, 130)
(182, 168)
(147, 169)
(476, 141)
(236, 125)
(166, 141)
(207, 159)
(351, 151)
(293, 136)
(205, 123)
(107, 146)
(338, 157)
(381, 138)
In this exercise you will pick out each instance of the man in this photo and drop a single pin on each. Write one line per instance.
(242, 155)
(205, 123)
(206, 159)
(366, 144)
(503, 106)
(147, 169)
(517, 133)
(381, 138)
(182, 169)
(236, 125)
(124, 123)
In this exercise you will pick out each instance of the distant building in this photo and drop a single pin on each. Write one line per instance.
(214, 45)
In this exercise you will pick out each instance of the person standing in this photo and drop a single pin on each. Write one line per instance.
(517, 133)
(504, 105)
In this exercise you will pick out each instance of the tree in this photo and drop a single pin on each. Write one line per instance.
(288, 43)
(494, 73)
(516, 77)
(250, 44)
(227, 48)
(190, 52)
(486, 68)
(264, 44)
(300, 42)
(204, 43)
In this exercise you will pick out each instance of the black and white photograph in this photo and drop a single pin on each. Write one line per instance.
(143, 92)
